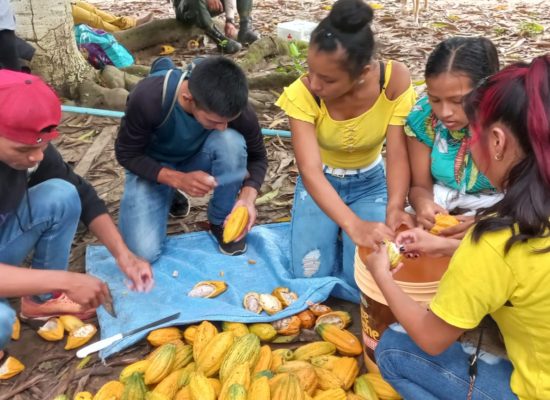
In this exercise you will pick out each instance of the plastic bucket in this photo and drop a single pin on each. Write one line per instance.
(419, 278)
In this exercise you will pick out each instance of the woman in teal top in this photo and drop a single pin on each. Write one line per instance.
(444, 177)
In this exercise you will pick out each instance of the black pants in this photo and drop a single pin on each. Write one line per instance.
(196, 12)
(12, 50)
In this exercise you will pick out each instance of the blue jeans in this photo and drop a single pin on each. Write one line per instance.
(145, 204)
(45, 222)
(317, 248)
(418, 376)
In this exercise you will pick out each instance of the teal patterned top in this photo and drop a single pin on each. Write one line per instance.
(451, 162)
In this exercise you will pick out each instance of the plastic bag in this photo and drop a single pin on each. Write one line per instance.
(101, 48)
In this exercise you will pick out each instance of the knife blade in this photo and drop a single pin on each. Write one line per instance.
(101, 344)
(108, 303)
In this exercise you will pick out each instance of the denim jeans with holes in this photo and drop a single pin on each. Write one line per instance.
(319, 246)
(45, 223)
(418, 376)
(145, 204)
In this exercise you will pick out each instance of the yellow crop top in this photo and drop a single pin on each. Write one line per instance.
(352, 143)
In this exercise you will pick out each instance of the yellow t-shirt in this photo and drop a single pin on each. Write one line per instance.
(515, 290)
(352, 143)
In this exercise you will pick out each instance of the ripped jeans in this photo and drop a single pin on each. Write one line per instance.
(319, 246)
(418, 376)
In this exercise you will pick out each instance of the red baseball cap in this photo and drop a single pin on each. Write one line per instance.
(29, 109)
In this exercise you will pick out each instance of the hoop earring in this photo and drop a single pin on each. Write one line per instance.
(499, 157)
(361, 81)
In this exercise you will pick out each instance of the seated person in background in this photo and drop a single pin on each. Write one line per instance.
(340, 113)
(85, 13)
(210, 140)
(200, 12)
(12, 48)
(445, 179)
(501, 267)
(41, 203)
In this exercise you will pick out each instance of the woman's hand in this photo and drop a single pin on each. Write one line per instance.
(396, 217)
(369, 234)
(426, 211)
(378, 263)
(459, 231)
(418, 241)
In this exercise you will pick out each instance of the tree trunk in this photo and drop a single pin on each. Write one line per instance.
(48, 26)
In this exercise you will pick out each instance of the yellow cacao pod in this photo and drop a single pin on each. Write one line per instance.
(287, 387)
(134, 389)
(156, 396)
(259, 389)
(183, 394)
(326, 361)
(442, 222)
(305, 373)
(210, 359)
(169, 386)
(353, 396)
(364, 388)
(239, 374)
(186, 373)
(83, 396)
(52, 330)
(112, 390)
(189, 333)
(382, 388)
(346, 342)
(319, 309)
(310, 350)
(244, 349)
(205, 332)
(139, 367)
(80, 336)
(288, 326)
(184, 354)
(327, 379)
(161, 364)
(265, 332)
(331, 394)
(217, 385)
(346, 369)
(236, 224)
(200, 388)
(264, 360)
(239, 329)
(342, 319)
(237, 392)
(16, 329)
(11, 367)
(161, 336)
(70, 322)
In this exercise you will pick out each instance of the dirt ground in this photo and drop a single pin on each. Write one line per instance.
(514, 26)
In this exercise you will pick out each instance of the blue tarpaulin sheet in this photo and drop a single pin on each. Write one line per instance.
(193, 257)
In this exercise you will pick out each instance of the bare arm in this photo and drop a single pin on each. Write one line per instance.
(306, 150)
(398, 177)
(136, 269)
(429, 332)
(421, 194)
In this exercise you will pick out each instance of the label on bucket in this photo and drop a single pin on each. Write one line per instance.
(375, 319)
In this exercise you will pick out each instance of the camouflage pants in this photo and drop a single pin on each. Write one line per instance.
(195, 12)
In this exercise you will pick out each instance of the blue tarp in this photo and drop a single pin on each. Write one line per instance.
(195, 257)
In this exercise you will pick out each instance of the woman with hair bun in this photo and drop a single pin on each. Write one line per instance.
(340, 113)
(501, 268)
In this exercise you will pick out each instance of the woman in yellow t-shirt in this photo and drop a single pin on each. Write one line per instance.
(501, 268)
(340, 113)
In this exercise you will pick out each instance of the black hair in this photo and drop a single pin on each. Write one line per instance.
(475, 57)
(519, 98)
(218, 85)
(348, 26)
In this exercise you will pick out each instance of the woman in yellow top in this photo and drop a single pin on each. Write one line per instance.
(340, 113)
(501, 268)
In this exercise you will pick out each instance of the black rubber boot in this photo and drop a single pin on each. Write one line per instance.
(224, 44)
(246, 34)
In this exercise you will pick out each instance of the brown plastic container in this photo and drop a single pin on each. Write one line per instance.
(419, 278)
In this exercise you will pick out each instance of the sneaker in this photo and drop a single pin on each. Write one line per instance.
(180, 205)
(229, 249)
(61, 305)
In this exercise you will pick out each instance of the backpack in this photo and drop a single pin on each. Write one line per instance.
(173, 78)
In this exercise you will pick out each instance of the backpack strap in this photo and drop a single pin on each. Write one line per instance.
(382, 76)
(170, 89)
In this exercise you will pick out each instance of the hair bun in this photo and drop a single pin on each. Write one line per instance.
(350, 16)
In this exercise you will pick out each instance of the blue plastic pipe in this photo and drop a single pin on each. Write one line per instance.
(119, 114)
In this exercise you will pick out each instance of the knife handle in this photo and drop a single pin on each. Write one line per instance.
(99, 345)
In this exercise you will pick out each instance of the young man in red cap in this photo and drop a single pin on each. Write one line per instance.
(41, 202)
